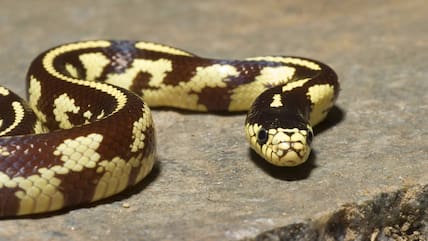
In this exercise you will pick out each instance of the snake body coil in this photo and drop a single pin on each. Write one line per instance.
(89, 137)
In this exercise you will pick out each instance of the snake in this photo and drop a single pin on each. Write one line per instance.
(85, 132)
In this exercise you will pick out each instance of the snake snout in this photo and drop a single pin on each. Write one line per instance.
(292, 153)
(290, 147)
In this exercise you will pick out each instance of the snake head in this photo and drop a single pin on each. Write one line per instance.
(280, 133)
(279, 146)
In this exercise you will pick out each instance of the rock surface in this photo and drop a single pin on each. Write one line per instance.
(207, 185)
(397, 215)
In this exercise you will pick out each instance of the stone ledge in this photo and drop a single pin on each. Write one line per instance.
(399, 215)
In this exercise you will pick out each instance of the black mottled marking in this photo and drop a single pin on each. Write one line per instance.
(121, 54)
(141, 82)
(214, 98)
(183, 69)
(9, 203)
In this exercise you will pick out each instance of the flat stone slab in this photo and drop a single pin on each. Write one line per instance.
(371, 152)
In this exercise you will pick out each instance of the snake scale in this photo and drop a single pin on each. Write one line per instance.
(86, 133)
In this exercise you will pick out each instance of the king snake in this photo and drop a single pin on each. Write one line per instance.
(84, 135)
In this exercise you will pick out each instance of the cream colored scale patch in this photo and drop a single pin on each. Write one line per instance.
(322, 98)
(34, 92)
(40, 191)
(161, 48)
(39, 127)
(4, 152)
(79, 153)
(94, 64)
(71, 70)
(211, 76)
(276, 101)
(4, 91)
(63, 104)
(116, 174)
(18, 109)
(138, 129)
(293, 85)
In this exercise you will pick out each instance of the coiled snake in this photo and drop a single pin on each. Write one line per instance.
(85, 136)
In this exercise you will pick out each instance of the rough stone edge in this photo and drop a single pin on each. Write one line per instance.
(398, 215)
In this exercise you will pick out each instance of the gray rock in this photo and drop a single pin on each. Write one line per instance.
(399, 215)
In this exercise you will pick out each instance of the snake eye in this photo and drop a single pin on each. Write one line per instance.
(262, 136)
(309, 137)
